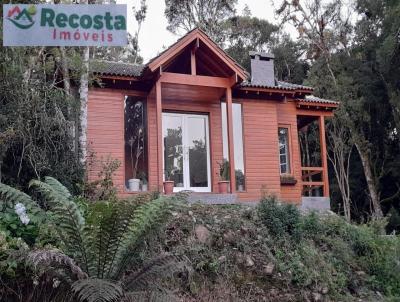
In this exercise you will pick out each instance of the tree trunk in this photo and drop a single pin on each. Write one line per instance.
(65, 71)
(83, 96)
(371, 183)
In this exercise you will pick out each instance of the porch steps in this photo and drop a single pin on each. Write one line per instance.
(212, 198)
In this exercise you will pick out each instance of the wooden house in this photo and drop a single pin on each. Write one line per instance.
(193, 112)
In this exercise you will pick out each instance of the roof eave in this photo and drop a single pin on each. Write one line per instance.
(178, 46)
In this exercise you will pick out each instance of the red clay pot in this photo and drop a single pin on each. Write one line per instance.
(168, 187)
(223, 186)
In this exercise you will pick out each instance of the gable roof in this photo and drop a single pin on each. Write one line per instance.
(132, 70)
(182, 43)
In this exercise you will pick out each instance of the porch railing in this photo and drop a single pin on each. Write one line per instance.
(313, 181)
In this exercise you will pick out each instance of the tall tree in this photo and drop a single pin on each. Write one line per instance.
(324, 26)
(140, 16)
(209, 15)
(244, 33)
(341, 145)
(290, 64)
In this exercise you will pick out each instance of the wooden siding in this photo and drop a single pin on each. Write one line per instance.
(261, 119)
(287, 116)
(260, 149)
(105, 132)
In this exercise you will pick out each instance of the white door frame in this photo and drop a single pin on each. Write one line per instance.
(186, 168)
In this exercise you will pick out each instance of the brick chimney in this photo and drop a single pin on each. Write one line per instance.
(262, 68)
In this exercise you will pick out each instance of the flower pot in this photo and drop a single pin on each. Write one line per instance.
(133, 184)
(144, 187)
(223, 186)
(168, 187)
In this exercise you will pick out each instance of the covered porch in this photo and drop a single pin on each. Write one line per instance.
(313, 152)
(191, 116)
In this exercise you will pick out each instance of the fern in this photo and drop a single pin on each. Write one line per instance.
(153, 296)
(97, 290)
(68, 220)
(111, 224)
(54, 258)
(161, 267)
(10, 196)
(57, 187)
(100, 248)
(146, 217)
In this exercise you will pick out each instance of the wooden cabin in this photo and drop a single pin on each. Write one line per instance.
(193, 112)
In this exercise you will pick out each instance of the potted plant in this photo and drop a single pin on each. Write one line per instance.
(136, 147)
(223, 183)
(168, 184)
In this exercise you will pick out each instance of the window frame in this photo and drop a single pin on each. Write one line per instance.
(240, 102)
(290, 151)
(147, 138)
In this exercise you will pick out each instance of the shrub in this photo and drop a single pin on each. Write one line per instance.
(279, 219)
(331, 249)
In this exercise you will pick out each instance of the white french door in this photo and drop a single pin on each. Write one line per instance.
(186, 150)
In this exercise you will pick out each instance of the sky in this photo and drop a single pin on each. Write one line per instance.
(154, 35)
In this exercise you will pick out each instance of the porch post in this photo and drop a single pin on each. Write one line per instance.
(230, 138)
(324, 160)
(159, 136)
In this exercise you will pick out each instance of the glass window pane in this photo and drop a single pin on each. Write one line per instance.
(284, 158)
(136, 157)
(197, 145)
(173, 149)
(238, 142)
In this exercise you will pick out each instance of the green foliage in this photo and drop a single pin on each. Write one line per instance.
(10, 222)
(36, 118)
(100, 243)
(280, 219)
(93, 290)
(330, 249)
(103, 187)
(224, 170)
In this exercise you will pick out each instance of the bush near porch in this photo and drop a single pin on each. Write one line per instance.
(216, 253)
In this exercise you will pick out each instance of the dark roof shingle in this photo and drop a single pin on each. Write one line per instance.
(116, 68)
(314, 99)
(279, 85)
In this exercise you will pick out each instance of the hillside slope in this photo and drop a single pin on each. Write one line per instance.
(272, 253)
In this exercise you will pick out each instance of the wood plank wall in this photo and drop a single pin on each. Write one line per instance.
(261, 149)
(105, 132)
(287, 116)
(260, 123)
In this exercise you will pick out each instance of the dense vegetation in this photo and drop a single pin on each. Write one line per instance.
(273, 253)
(347, 51)
(75, 241)
(63, 248)
(57, 247)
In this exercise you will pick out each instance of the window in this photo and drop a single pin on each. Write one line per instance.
(238, 142)
(284, 152)
(136, 158)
